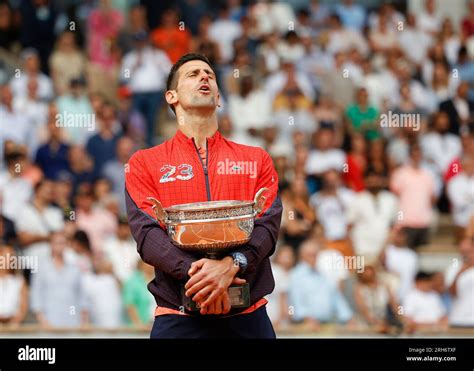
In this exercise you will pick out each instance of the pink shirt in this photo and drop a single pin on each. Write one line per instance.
(98, 224)
(415, 188)
(103, 30)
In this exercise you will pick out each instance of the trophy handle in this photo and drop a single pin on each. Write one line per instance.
(160, 213)
(259, 200)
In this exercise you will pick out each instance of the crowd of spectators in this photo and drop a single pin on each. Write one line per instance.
(367, 112)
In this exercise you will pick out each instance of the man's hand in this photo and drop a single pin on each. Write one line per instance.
(209, 282)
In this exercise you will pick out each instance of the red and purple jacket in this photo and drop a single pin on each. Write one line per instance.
(174, 173)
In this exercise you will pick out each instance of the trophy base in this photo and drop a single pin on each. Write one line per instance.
(239, 296)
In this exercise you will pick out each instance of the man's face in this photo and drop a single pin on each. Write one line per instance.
(196, 88)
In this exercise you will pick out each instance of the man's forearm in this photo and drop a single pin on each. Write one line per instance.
(154, 245)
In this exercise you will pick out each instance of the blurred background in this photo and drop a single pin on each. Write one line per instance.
(365, 107)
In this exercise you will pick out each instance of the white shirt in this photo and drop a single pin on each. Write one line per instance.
(462, 311)
(277, 81)
(254, 110)
(282, 278)
(13, 126)
(402, 261)
(224, 32)
(412, 36)
(330, 263)
(320, 161)
(462, 107)
(331, 212)
(31, 220)
(428, 22)
(19, 86)
(104, 300)
(123, 255)
(440, 150)
(423, 307)
(461, 195)
(371, 216)
(146, 72)
(15, 193)
(10, 289)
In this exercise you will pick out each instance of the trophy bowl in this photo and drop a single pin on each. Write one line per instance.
(212, 227)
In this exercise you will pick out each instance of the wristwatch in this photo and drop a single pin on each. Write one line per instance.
(241, 260)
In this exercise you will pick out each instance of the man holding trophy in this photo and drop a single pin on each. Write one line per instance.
(205, 212)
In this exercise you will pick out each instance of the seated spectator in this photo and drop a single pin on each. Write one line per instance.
(423, 307)
(171, 37)
(75, 113)
(137, 299)
(114, 170)
(415, 188)
(323, 157)
(277, 307)
(298, 217)
(31, 70)
(374, 300)
(459, 109)
(121, 251)
(67, 62)
(399, 259)
(81, 251)
(363, 117)
(131, 120)
(38, 220)
(370, 214)
(15, 190)
(14, 296)
(81, 166)
(57, 294)
(356, 163)
(460, 283)
(440, 287)
(312, 297)
(330, 206)
(460, 192)
(7, 228)
(102, 292)
(97, 222)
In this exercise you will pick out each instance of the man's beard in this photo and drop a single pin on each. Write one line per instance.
(202, 102)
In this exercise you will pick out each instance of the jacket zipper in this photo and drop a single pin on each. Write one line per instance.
(204, 167)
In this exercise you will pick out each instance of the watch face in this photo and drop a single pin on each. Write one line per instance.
(240, 259)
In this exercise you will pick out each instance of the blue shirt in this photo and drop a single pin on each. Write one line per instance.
(52, 162)
(101, 150)
(352, 17)
(312, 296)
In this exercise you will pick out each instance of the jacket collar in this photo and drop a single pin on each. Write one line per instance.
(180, 137)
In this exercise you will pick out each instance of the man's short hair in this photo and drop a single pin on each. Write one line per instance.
(172, 81)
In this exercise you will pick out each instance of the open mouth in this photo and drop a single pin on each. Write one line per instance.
(204, 89)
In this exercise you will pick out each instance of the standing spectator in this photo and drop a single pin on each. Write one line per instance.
(313, 298)
(370, 214)
(66, 63)
(31, 70)
(121, 251)
(137, 299)
(277, 307)
(331, 206)
(101, 146)
(57, 295)
(145, 70)
(415, 188)
(224, 31)
(172, 36)
(460, 192)
(38, 220)
(399, 259)
(14, 292)
(104, 25)
(102, 292)
(423, 307)
(97, 222)
(51, 157)
(374, 299)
